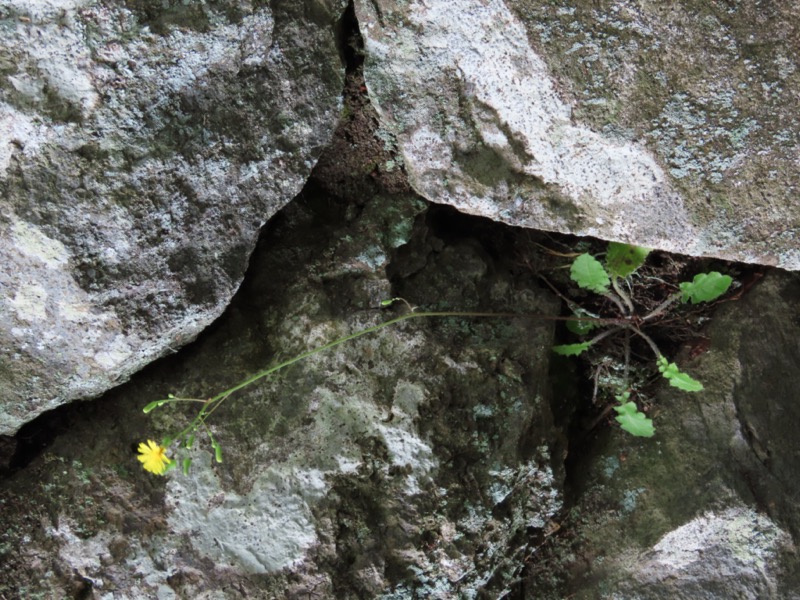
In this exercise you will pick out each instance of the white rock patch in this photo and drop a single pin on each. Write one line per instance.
(272, 526)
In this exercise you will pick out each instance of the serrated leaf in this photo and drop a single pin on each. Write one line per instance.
(588, 273)
(664, 366)
(634, 422)
(685, 382)
(678, 378)
(624, 259)
(571, 349)
(705, 287)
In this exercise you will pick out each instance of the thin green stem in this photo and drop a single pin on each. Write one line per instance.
(208, 433)
(191, 426)
(212, 404)
(378, 327)
(216, 403)
(353, 336)
(170, 400)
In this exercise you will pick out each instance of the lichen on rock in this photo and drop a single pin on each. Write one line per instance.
(668, 127)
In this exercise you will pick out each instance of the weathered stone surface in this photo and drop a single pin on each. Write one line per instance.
(731, 553)
(422, 461)
(708, 508)
(416, 462)
(142, 146)
(669, 127)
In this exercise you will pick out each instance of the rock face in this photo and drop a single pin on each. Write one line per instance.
(142, 146)
(708, 507)
(426, 460)
(415, 462)
(669, 127)
(423, 461)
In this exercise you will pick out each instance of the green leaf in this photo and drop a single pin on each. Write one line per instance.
(705, 287)
(623, 397)
(217, 452)
(189, 442)
(677, 378)
(170, 465)
(634, 422)
(664, 365)
(588, 273)
(187, 462)
(685, 382)
(571, 349)
(581, 327)
(166, 442)
(624, 259)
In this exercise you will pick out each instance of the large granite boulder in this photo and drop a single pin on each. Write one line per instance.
(673, 127)
(142, 146)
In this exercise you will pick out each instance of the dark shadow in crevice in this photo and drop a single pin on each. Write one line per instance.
(349, 40)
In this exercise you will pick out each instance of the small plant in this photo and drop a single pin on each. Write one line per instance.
(622, 261)
(615, 282)
(153, 456)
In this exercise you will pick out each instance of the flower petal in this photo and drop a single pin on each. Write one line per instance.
(153, 457)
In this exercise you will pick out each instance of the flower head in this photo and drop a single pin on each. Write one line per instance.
(153, 457)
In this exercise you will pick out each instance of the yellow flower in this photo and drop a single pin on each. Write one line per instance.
(153, 457)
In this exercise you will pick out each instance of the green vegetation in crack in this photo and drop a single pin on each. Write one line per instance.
(611, 282)
(616, 283)
(154, 456)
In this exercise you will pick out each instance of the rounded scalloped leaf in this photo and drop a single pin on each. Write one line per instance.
(588, 273)
(705, 287)
(624, 259)
(579, 326)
